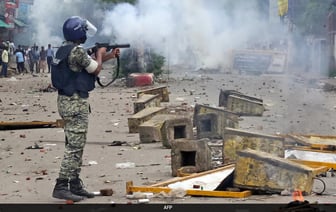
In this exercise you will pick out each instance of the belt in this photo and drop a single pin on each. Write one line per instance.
(80, 93)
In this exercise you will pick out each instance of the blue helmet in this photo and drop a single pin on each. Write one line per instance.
(76, 28)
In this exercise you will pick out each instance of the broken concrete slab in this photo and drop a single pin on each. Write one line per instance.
(235, 140)
(186, 152)
(146, 100)
(151, 131)
(144, 115)
(262, 171)
(162, 91)
(210, 122)
(166, 128)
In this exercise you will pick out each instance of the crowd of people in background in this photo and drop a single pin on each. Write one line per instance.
(25, 59)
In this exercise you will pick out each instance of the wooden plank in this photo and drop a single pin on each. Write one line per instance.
(230, 194)
(30, 124)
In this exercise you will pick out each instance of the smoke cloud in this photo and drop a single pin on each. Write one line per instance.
(198, 33)
(48, 18)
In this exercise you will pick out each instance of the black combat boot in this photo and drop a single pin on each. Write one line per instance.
(61, 191)
(76, 187)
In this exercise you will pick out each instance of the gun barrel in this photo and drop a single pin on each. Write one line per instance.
(109, 47)
(120, 46)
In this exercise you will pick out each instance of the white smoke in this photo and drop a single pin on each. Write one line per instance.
(200, 33)
(48, 18)
(196, 32)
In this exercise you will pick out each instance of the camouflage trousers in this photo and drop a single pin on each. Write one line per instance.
(74, 111)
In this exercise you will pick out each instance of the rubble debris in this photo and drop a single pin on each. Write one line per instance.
(125, 165)
(297, 205)
(35, 146)
(140, 195)
(106, 192)
(117, 143)
(49, 88)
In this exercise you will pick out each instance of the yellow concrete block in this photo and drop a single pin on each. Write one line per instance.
(150, 131)
(257, 170)
(245, 106)
(146, 100)
(235, 140)
(162, 91)
(142, 116)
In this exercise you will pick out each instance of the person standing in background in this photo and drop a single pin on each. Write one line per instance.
(36, 59)
(5, 60)
(43, 59)
(19, 61)
(50, 56)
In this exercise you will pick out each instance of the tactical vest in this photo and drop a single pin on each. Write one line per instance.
(66, 81)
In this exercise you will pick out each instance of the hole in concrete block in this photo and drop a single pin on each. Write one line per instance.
(180, 132)
(205, 125)
(188, 158)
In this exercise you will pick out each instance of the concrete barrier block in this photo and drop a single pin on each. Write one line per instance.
(190, 153)
(262, 171)
(162, 91)
(151, 131)
(166, 128)
(144, 115)
(210, 122)
(146, 100)
(241, 104)
(235, 140)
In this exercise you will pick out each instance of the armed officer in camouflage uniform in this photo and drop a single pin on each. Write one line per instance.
(74, 73)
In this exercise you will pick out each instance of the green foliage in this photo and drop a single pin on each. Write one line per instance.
(155, 64)
(332, 73)
(132, 62)
(311, 17)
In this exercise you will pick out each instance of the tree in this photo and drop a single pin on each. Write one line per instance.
(310, 16)
(133, 62)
